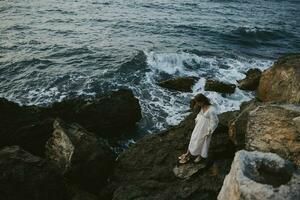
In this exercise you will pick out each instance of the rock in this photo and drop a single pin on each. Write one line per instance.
(251, 81)
(217, 86)
(145, 170)
(82, 157)
(281, 81)
(188, 170)
(272, 128)
(183, 84)
(25, 176)
(24, 126)
(107, 115)
(256, 176)
(238, 123)
(110, 114)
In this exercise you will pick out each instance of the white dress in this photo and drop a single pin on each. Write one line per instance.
(206, 123)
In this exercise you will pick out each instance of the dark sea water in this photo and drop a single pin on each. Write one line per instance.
(51, 49)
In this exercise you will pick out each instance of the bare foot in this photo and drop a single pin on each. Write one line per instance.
(182, 156)
(198, 159)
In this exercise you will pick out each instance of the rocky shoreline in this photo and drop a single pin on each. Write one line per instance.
(64, 151)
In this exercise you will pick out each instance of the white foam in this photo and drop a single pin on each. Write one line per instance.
(174, 105)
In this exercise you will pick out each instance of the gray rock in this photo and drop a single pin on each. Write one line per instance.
(186, 171)
(82, 157)
(256, 176)
(25, 176)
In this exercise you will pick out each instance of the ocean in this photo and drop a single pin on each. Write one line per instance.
(51, 50)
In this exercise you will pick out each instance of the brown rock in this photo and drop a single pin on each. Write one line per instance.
(218, 86)
(273, 128)
(281, 82)
(183, 84)
(251, 81)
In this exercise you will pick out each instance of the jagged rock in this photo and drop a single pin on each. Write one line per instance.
(251, 81)
(25, 176)
(82, 157)
(281, 81)
(183, 84)
(272, 128)
(256, 176)
(218, 86)
(145, 170)
(238, 123)
(110, 114)
(23, 126)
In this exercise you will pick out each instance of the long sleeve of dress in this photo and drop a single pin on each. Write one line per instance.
(213, 121)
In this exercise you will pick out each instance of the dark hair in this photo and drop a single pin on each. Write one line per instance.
(201, 98)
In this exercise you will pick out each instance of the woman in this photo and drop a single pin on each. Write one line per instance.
(206, 122)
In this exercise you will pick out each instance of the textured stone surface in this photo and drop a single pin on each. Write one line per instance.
(186, 171)
(251, 81)
(281, 82)
(217, 86)
(109, 114)
(272, 128)
(25, 176)
(256, 176)
(238, 123)
(145, 170)
(80, 155)
(183, 84)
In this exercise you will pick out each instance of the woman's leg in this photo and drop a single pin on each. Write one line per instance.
(184, 155)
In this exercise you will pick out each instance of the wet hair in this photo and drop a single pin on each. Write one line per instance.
(201, 98)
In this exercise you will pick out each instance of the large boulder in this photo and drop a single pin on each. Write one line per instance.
(24, 126)
(281, 81)
(146, 170)
(256, 176)
(109, 114)
(238, 123)
(251, 81)
(183, 84)
(25, 176)
(218, 86)
(274, 128)
(82, 157)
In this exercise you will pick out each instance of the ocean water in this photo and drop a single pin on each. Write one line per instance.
(51, 49)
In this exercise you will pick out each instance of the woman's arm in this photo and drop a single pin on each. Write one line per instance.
(213, 121)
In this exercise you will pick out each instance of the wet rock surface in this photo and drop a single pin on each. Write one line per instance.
(183, 84)
(281, 81)
(257, 175)
(25, 176)
(251, 81)
(30, 127)
(218, 86)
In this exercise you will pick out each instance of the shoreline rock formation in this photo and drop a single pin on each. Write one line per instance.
(83, 166)
(257, 176)
(183, 84)
(108, 115)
